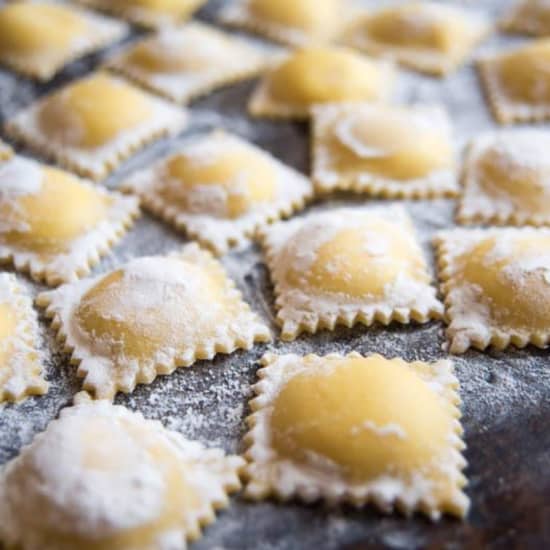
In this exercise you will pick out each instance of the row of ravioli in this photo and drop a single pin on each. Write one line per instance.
(180, 63)
(341, 429)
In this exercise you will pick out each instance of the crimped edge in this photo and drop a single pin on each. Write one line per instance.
(505, 111)
(28, 337)
(262, 105)
(430, 63)
(477, 215)
(352, 494)
(170, 120)
(460, 340)
(235, 232)
(118, 219)
(204, 84)
(102, 32)
(59, 309)
(442, 184)
(314, 322)
(149, 19)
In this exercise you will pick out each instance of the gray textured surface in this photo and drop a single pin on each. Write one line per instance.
(506, 395)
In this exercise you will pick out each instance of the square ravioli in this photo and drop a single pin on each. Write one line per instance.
(291, 22)
(348, 429)
(183, 63)
(220, 189)
(516, 83)
(38, 38)
(148, 13)
(150, 316)
(383, 151)
(93, 124)
(319, 74)
(496, 284)
(347, 266)
(528, 17)
(426, 36)
(20, 358)
(126, 482)
(5, 151)
(57, 244)
(507, 179)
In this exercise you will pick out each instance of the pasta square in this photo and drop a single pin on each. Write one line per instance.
(193, 310)
(348, 429)
(316, 75)
(55, 244)
(528, 17)
(20, 359)
(95, 123)
(220, 190)
(427, 36)
(496, 287)
(384, 151)
(516, 88)
(186, 62)
(506, 179)
(38, 39)
(348, 266)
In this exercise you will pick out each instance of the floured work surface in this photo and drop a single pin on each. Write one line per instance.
(506, 395)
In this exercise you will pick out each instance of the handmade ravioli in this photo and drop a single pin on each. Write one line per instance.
(319, 74)
(92, 124)
(427, 36)
(20, 360)
(292, 22)
(383, 151)
(39, 38)
(150, 316)
(220, 189)
(57, 244)
(528, 17)
(185, 62)
(126, 483)
(349, 429)
(348, 266)
(149, 13)
(517, 82)
(507, 179)
(497, 287)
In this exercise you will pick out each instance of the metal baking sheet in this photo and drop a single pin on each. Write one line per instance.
(506, 396)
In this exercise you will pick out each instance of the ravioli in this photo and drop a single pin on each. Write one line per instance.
(528, 17)
(143, 487)
(149, 317)
(517, 82)
(426, 36)
(186, 62)
(292, 22)
(348, 266)
(55, 244)
(383, 151)
(496, 287)
(319, 74)
(38, 38)
(93, 124)
(21, 370)
(220, 189)
(348, 429)
(507, 179)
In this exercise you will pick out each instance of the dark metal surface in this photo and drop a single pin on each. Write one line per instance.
(506, 395)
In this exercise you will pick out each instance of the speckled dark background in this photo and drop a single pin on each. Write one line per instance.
(506, 395)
